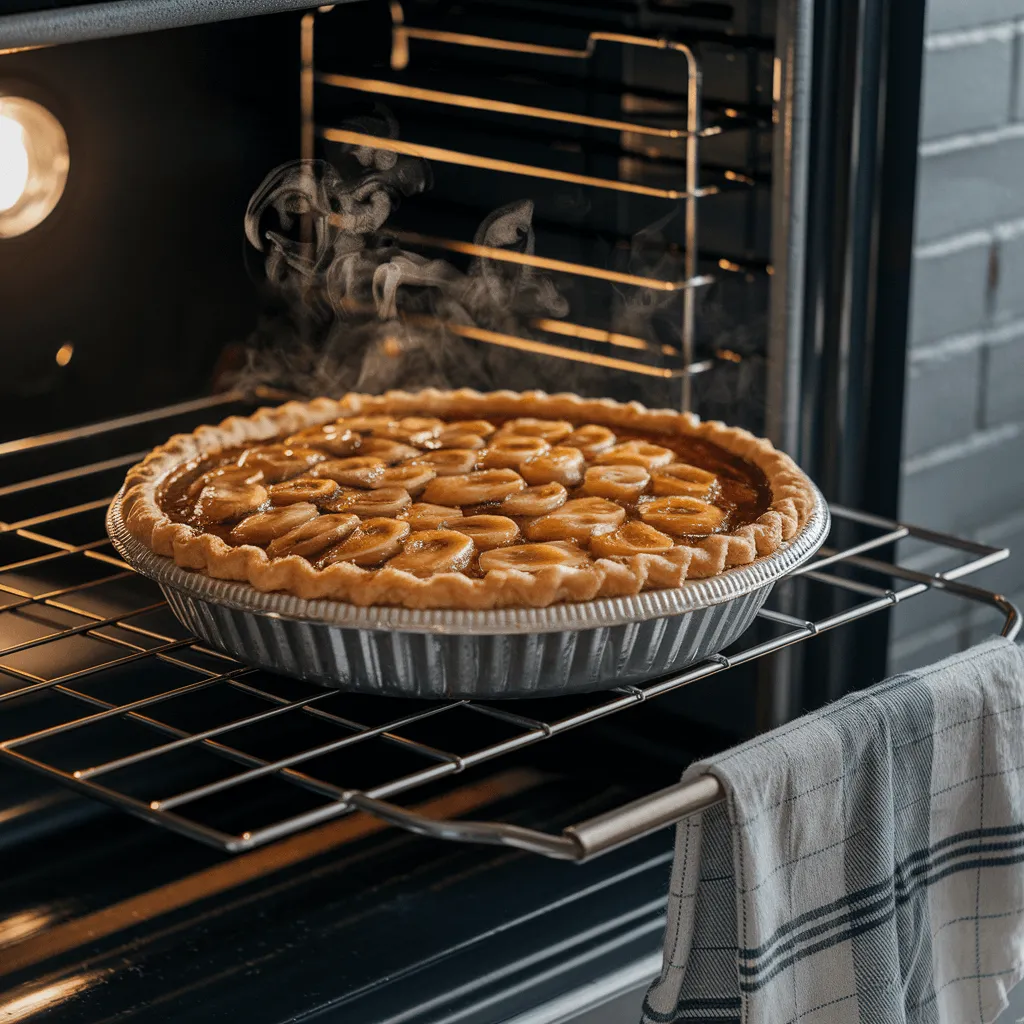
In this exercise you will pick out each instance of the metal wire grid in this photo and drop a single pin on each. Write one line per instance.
(551, 337)
(101, 690)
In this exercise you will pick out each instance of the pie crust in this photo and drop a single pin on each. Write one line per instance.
(580, 576)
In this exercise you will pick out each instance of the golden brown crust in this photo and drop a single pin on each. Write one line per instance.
(791, 505)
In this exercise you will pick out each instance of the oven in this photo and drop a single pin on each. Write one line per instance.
(720, 202)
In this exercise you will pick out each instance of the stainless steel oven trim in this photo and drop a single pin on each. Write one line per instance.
(792, 105)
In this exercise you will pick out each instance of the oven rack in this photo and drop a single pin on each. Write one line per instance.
(99, 684)
(658, 133)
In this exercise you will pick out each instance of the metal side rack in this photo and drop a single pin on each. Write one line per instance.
(638, 159)
(101, 690)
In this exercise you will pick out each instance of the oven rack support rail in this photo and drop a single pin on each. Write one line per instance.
(549, 337)
(63, 542)
(672, 804)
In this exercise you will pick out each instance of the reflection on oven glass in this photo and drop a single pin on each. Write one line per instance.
(23, 923)
(28, 1004)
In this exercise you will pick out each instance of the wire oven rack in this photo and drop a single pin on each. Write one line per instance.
(101, 690)
(666, 137)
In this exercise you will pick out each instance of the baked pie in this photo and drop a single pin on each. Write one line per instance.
(457, 499)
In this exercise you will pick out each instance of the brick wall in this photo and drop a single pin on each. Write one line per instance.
(963, 457)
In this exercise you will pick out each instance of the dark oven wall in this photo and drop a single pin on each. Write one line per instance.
(141, 267)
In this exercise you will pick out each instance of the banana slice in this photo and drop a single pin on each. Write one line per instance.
(448, 461)
(421, 515)
(561, 465)
(422, 425)
(682, 516)
(632, 538)
(636, 453)
(366, 424)
(281, 461)
(535, 501)
(460, 439)
(474, 488)
(579, 520)
(218, 504)
(591, 439)
(434, 551)
(623, 483)
(263, 527)
(507, 451)
(389, 451)
(533, 557)
(412, 478)
(330, 438)
(313, 538)
(483, 428)
(226, 477)
(372, 542)
(416, 430)
(681, 478)
(302, 488)
(359, 471)
(551, 431)
(385, 501)
(488, 532)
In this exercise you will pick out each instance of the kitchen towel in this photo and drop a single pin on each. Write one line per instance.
(867, 864)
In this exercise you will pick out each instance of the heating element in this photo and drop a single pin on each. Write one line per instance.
(101, 690)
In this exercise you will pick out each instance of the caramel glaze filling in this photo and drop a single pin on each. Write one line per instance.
(428, 496)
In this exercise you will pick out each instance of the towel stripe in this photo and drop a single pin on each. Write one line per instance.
(894, 888)
(866, 926)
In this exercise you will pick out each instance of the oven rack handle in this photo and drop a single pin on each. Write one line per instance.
(642, 816)
(580, 842)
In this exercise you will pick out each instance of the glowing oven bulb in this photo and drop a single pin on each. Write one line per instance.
(14, 163)
(33, 164)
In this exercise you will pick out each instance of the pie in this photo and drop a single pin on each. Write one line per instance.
(458, 499)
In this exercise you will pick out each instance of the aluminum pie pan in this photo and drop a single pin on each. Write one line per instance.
(446, 653)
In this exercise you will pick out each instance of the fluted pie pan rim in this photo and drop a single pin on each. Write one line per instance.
(636, 580)
(691, 596)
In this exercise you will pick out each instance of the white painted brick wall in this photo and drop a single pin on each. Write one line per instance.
(943, 15)
(970, 181)
(952, 293)
(943, 395)
(964, 415)
(1003, 381)
(967, 80)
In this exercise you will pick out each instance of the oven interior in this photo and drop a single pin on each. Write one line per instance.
(642, 135)
(651, 213)
(650, 171)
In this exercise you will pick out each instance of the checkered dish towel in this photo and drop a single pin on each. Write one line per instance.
(867, 865)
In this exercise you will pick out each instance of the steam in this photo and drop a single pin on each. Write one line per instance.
(367, 313)
(647, 312)
(355, 310)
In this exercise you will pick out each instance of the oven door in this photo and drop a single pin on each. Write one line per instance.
(103, 917)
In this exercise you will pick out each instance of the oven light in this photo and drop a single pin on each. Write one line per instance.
(33, 164)
(13, 163)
